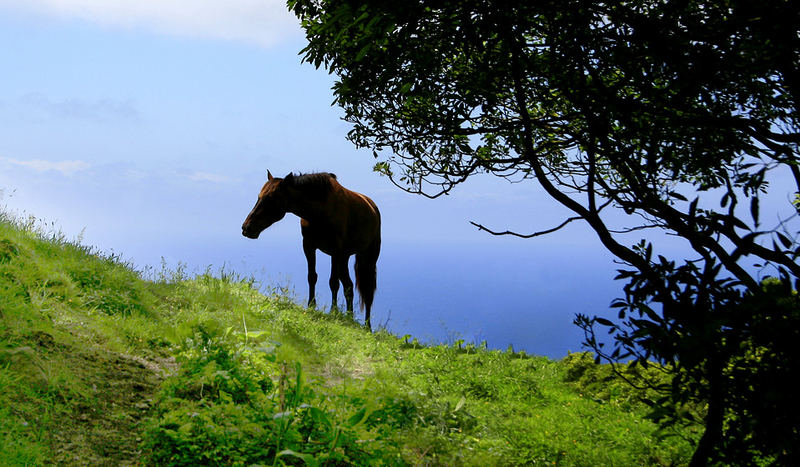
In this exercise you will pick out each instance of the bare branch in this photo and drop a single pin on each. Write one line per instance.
(535, 234)
(636, 229)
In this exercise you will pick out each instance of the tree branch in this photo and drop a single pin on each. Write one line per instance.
(535, 234)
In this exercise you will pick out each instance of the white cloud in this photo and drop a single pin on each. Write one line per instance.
(209, 177)
(260, 22)
(82, 109)
(67, 168)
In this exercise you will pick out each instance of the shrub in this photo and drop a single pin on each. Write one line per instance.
(232, 403)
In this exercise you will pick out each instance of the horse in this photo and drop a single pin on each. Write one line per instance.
(337, 221)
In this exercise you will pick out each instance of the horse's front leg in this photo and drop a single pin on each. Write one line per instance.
(311, 257)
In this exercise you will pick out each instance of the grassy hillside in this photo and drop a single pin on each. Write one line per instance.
(99, 366)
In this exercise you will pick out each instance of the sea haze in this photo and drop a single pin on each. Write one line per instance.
(518, 294)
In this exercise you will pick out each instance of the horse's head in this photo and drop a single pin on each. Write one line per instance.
(270, 208)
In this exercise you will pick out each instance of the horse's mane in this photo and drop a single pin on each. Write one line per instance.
(315, 184)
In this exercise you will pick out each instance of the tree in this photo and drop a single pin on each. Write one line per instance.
(683, 115)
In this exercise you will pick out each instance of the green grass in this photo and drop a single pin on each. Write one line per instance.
(100, 364)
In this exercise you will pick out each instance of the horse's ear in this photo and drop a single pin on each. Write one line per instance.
(269, 175)
(289, 178)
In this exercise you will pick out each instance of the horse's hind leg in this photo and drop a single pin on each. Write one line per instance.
(347, 283)
(366, 277)
(333, 282)
(339, 274)
(311, 257)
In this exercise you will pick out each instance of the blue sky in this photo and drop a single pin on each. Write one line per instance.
(146, 128)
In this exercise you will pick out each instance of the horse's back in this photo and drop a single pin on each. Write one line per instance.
(363, 219)
(372, 215)
(351, 224)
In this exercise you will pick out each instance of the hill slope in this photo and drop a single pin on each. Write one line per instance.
(99, 366)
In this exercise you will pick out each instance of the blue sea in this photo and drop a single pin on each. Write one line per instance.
(514, 294)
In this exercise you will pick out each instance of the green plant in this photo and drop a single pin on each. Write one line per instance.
(232, 402)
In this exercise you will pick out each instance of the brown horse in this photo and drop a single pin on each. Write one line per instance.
(333, 219)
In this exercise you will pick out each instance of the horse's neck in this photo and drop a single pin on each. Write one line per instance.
(310, 210)
(315, 206)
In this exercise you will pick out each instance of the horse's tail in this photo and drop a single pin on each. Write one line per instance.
(367, 274)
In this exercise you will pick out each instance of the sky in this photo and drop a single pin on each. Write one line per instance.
(145, 128)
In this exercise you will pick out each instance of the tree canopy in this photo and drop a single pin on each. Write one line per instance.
(683, 115)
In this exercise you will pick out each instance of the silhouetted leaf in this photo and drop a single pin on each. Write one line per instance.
(603, 321)
(677, 195)
(784, 240)
(754, 209)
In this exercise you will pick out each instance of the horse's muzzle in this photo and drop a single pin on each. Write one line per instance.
(249, 233)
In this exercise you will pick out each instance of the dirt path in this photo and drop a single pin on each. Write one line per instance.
(106, 426)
